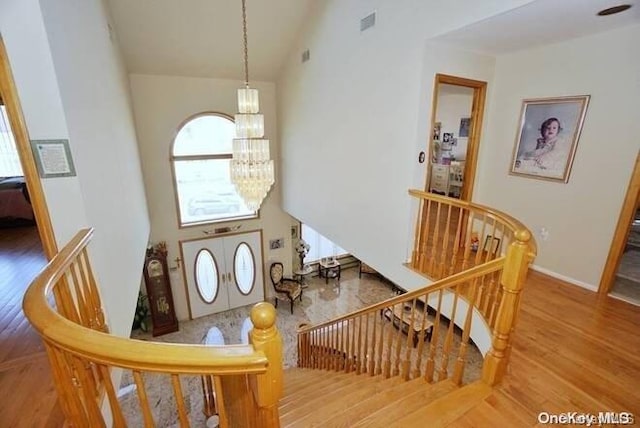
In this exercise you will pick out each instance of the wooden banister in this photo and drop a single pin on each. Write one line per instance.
(513, 223)
(82, 354)
(459, 278)
(427, 331)
(513, 277)
(269, 386)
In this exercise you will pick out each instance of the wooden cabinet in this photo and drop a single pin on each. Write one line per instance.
(447, 179)
(439, 182)
(156, 279)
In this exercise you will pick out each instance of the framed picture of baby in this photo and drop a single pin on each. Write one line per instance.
(548, 136)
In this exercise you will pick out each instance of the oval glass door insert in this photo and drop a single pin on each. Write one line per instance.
(206, 276)
(244, 268)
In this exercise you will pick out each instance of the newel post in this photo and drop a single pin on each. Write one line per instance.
(512, 279)
(266, 338)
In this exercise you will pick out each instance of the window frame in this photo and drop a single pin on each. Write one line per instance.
(175, 158)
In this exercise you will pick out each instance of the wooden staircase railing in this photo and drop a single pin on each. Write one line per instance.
(452, 235)
(427, 332)
(83, 354)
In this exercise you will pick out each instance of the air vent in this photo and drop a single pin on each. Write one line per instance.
(368, 21)
(305, 55)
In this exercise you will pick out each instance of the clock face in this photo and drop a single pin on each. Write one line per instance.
(154, 268)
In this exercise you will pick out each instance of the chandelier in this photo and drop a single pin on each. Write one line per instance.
(251, 166)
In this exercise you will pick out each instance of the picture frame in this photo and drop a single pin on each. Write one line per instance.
(53, 158)
(491, 244)
(465, 124)
(294, 232)
(548, 136)
(276, 244)
(436, 131)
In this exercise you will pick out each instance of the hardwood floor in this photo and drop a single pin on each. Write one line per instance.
(26, 387)
(573, 352)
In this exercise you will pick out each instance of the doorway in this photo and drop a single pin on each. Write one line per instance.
(621, 275)
(24, 250)
(222, 273)
(456, 123)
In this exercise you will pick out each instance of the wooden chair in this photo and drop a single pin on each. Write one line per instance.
(286, 288)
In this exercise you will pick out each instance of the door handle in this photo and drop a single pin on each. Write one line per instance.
(223, 281)
(229, 277)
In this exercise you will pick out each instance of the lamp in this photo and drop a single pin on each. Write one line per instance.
(251, 165)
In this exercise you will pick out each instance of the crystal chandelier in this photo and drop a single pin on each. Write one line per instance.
(251, 166)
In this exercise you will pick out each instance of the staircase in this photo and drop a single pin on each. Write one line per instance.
(407, 361)
(331, 399)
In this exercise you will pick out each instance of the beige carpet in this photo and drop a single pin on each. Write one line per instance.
(320, 302)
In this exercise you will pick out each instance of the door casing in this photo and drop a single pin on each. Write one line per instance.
(477, 114)
(627, 214)
(9, 95)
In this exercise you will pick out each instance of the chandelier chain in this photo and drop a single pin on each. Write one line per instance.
(246, 50)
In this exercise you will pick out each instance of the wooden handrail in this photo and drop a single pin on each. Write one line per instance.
(241, 383)
(513, 223)
(472, 282)
(127, 353)
(477, 271)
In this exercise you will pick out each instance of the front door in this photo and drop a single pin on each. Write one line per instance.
(222, 273)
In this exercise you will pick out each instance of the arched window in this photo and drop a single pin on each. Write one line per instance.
(200, 159)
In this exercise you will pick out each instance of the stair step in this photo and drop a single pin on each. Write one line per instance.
(331, 383)
(324, 398)
(446, 409)
(315, 384)
(295, 378)
(374, 402)
(314, 410)
(405, 403)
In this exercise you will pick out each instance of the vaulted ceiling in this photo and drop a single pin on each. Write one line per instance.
(203, 38)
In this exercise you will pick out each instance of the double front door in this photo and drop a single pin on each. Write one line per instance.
(223, 273)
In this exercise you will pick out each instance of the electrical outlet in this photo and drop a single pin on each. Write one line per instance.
(544, 234)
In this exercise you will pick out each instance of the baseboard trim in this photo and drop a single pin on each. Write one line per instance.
(568, 279)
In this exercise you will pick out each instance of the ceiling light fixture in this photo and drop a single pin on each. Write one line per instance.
(614, 10)
(251, 167)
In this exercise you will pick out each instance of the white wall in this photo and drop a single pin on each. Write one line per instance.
(161, 104)
(581, 215)
(95, 97)
(356, 115)
(71, 85)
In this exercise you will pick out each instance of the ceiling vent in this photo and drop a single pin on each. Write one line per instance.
(368, 21)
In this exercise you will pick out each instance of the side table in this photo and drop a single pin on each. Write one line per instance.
(329, 269)
(301, 275)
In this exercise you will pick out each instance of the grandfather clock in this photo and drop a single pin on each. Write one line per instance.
(156, 279)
